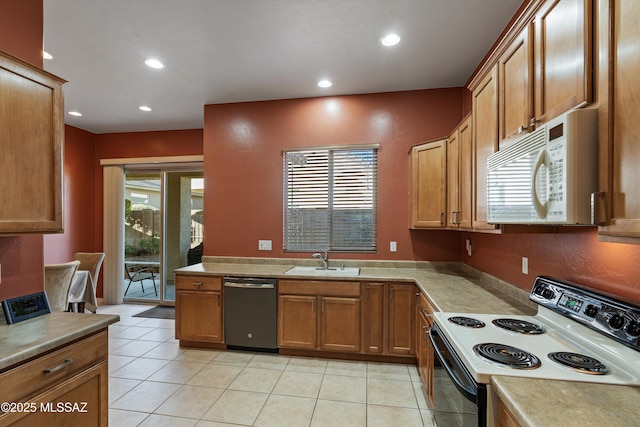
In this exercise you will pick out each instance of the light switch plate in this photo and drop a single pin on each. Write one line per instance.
(264, 245)
(525, 265)
(393, 246)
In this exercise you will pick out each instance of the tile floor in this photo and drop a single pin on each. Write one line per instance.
(154, 382)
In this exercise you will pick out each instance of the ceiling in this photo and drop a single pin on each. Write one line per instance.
(221, 51)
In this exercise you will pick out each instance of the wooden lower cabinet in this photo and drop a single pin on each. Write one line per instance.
(505, 418)
(67, 387)
(199, 309)
(373, 307)
(340, 324)
(297, 323)
(402, 319)
(315, 315)
(389, 318)
(424, 351)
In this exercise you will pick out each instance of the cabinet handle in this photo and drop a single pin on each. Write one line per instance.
(441, 217)
(218, 298)
(197, 284)
(426, 313)
(66, 362)
(595, 207)
(522, 129)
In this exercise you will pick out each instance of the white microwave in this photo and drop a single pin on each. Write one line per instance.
(548, 175)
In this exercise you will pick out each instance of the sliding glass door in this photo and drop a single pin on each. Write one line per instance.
(163, 229)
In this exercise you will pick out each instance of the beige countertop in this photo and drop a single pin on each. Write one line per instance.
(542, 403)
(28, 339)
(449, 288)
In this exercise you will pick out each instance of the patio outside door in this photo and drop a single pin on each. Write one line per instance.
(163, 230)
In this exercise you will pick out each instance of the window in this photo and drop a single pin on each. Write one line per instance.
(330, 199)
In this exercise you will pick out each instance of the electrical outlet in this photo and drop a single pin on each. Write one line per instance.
(525, 265)
(264, 245)
(0, 273)
(468, 246)
(393, 246)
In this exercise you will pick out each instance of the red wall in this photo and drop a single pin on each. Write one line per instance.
(243, 165)
(21, 257)
(131, 145)
(79, 200)
(573, 254)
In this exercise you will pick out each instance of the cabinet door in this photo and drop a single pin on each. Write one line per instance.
(297, 321)
(563, 31)
(373, 326)
(465, 183)
(619, 173)
(485, 143)
(90, 387)
(516, 87)
(402, 319)
(340, 324)
(31, 143)
(199, 316)
(453, 158)
(428, 195)
(425, 365)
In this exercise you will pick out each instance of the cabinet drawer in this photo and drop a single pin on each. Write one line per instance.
(27, 379)
(198, 283)
(319, 287)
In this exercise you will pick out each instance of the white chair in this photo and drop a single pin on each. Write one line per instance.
(57, 281)
(91, 262)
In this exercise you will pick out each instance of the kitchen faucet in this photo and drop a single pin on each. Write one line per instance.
(324, 259)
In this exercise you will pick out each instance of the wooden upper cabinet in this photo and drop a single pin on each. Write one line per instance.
(545, 68)
(453, 176)
(428, 187)
(465, 177)
(31, 142)
(459, 175)
(619, 103)
(563, 57)
(485, 142)
(516, 86)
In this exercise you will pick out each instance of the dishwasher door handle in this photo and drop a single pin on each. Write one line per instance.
(249, 285)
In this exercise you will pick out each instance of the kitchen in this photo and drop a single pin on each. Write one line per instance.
(575, 254)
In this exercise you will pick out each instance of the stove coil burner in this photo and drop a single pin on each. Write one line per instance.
(520, 326)
(579, 362)
(507, 356)
(466, 321)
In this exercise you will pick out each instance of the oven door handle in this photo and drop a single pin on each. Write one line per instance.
(469, 392)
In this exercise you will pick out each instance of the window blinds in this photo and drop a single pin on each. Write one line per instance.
(330, 199)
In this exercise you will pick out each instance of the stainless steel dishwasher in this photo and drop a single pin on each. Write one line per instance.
(251, 313)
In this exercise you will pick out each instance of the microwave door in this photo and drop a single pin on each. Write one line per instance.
(516, 188)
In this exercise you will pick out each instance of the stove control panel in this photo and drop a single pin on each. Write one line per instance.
(618, 319)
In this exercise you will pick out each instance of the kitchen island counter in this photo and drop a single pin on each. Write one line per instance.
(28, 339)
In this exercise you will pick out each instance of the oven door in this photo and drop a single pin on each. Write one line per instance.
(457, 399)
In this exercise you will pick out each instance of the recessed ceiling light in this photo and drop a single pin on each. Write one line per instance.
(390, 40)
(154, 63)
(144, 108)
(325, 83)
(75, 113)
(46, 55)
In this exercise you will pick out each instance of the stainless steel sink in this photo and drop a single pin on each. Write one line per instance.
(321, 272)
